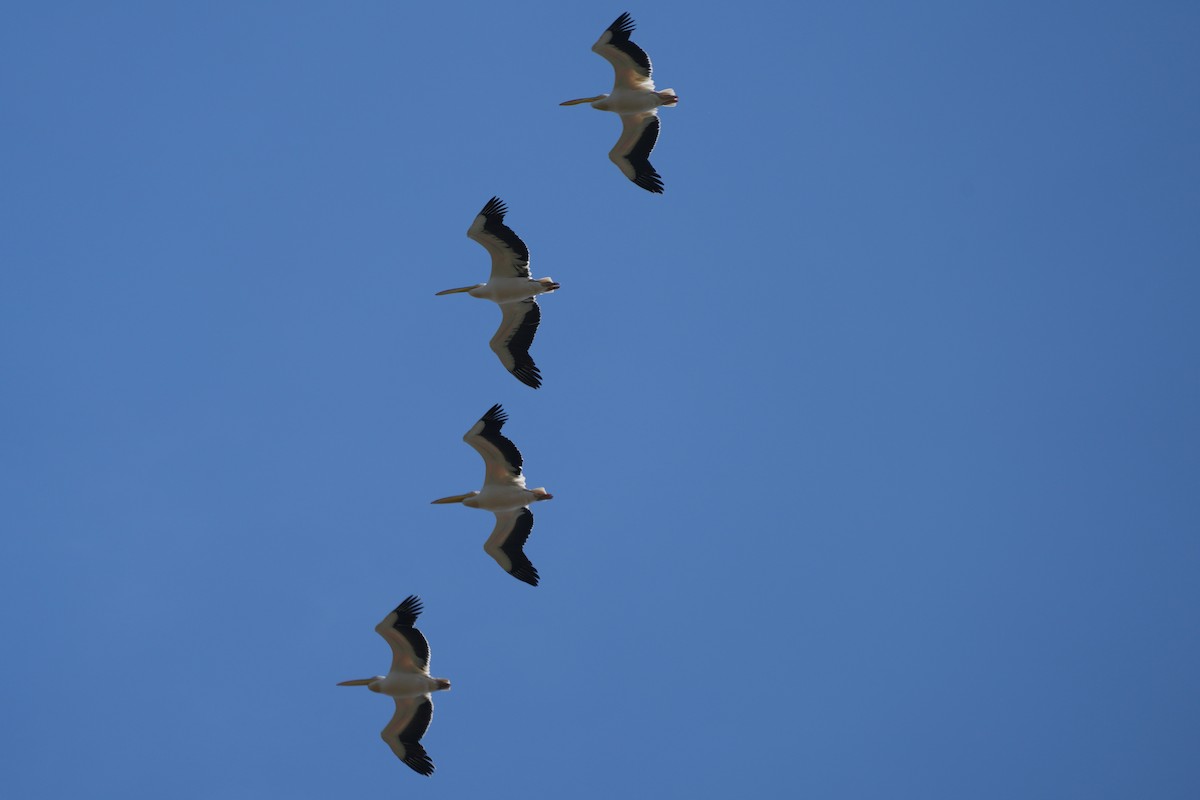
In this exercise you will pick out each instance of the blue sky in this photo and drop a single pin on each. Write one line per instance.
(873, 441)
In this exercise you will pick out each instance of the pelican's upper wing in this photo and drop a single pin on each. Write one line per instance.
(510, 256)
(410, 651)
(512, 341)
(501, 458)
(507, 542)
(630, 62)
(631, 153)
(403, 734)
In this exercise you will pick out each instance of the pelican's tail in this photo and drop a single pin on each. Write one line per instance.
(668, 97)
(442, 683)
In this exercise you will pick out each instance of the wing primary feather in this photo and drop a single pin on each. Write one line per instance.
(417, 759)
(622, 25)
(495, 415)
(407, 612)
(495, 207)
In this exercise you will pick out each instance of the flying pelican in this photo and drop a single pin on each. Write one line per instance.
(634, 98)
(504, 494)
(408, 682)
(512, 288)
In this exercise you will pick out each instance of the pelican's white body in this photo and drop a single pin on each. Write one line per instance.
(503, 290)
(497, 496)
(635, 100)
(407, 684)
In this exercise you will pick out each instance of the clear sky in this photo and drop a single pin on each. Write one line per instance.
(874, 441)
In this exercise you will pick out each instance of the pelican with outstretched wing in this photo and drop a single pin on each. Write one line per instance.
(408, 682)
(504, 494)
(512, 287)
(634, 98)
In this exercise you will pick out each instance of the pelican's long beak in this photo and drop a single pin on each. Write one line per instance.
(458, 498)
(357, 682)
(582, 100)
(452, 291)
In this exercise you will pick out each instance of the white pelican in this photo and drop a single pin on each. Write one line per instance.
(512, 288)
(408, 682)
(504, 494)
(634, 98)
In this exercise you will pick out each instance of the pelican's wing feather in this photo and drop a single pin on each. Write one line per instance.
(630, 62)
(631, 153)
(501, 458)
(514, 338)
(507, 542)
(410, 651)
(403, 734)
(510, 256)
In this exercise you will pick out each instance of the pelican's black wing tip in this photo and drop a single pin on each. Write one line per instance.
(623, 24)
(409, 609)
(496, 414)
(495, 208)
(417, 759)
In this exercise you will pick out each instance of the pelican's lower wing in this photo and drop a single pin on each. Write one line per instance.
(403, 734)
(514, 338)
(632, 151)
(507, 542)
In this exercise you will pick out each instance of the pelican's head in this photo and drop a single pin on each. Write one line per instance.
(595, 99)
(459, 289)
(540, 493)
(456, 498)
(370, 683)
